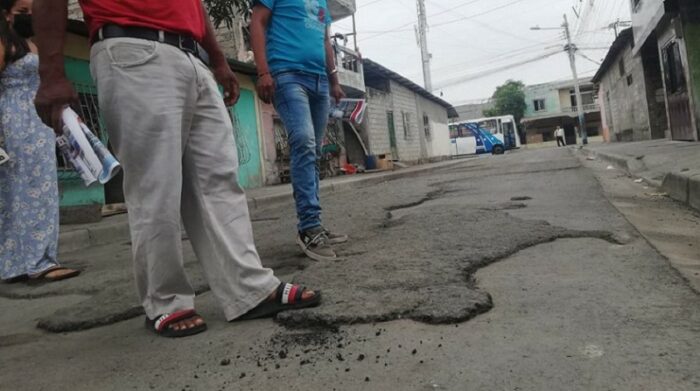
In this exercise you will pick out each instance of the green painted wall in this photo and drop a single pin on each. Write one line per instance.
(692, 41)
(549, 93)
(72, 191)
(245, 131)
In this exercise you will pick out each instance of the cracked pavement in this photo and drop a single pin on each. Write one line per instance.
(524, 246)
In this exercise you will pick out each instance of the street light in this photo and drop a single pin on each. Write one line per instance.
(571, 49)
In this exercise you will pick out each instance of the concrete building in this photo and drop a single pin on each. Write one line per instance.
(403, 120)
(630, 92)
(554, 104)
(474, 110)
(667, 33)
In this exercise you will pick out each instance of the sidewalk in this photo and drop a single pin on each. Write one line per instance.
(116, 228)
(673, 166)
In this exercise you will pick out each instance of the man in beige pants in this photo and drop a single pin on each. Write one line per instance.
(172, 133)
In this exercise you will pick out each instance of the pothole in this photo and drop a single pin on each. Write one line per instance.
(424, 270)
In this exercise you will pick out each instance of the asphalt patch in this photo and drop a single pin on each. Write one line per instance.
(425, 274)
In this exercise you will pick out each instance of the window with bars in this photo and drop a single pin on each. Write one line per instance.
(426, 126)
(406, 118)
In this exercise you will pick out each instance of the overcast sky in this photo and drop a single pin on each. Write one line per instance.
(468, 38)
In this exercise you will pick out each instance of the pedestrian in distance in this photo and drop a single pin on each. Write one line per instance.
(28, 176)
(156, 65)
(559, 135)
(297, 72)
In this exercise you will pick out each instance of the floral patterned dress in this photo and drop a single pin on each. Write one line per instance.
(28, 182)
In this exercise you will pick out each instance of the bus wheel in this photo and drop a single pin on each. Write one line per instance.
(498, 150)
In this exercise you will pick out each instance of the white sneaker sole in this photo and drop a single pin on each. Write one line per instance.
(340, 240)
(313, 255)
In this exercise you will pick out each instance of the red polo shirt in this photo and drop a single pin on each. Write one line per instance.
(177, 16)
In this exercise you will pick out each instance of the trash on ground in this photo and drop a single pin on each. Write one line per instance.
(610, 168)
(640, 180)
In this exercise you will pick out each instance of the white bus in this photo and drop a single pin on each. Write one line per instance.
(503, 127)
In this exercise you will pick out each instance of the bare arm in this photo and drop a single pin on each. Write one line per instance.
(336, 91)
(330, 59)
(55, 92)
(2, 57)
(219, 65)
(258, 27)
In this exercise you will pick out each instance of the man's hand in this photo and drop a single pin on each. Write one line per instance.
(53, 96)
(266, 88)
(227, 79)
(337, 92)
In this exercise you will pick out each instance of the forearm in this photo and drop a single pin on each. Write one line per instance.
(2, 57)
(209, 42)
(257, 41)
(50, 18)
(330, 63)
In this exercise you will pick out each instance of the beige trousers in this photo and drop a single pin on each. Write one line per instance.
(173, 136)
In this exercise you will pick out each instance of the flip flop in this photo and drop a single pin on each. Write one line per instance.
(44, 276)
(160, 324)
(289, 297)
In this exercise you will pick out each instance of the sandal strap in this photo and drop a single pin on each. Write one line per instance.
(165, 320)
(289, 293)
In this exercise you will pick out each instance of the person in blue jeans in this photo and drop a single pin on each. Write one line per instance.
(297, 72)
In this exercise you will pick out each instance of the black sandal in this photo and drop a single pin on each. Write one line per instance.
(160, 324)
(288, 297)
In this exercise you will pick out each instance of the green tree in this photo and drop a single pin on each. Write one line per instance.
(226, 11)
(509, 99)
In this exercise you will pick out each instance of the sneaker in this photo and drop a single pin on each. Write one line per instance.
(315, 245)
(334, 237)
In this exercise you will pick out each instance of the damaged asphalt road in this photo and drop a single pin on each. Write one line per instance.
(414, 248)
(559, 291)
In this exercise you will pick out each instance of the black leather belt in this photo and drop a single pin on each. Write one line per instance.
(183, 42)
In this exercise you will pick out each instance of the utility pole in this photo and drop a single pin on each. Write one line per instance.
(577, 88)
(422, 32)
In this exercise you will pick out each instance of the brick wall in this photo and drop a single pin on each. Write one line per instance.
(407, 107)
(408, 138)
(376, 126)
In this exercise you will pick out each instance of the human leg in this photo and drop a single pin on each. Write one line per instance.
(146, 93)
(215, 208)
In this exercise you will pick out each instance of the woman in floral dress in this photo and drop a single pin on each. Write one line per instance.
(28, 182)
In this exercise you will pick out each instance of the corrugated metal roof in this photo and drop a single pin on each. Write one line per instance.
(625, 38)
(373, 69)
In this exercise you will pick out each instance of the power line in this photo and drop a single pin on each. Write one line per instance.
(465, 78)
(588, 58)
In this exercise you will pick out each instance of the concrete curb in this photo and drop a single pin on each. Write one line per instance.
(681, 186)
(684, 187)
(117, 230)
(114, 229)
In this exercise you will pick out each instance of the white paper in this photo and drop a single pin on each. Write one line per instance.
(84, 151)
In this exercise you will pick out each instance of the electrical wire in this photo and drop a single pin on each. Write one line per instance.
(465, 78)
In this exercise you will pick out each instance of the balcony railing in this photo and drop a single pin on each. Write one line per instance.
(586, 108)
(350, 72)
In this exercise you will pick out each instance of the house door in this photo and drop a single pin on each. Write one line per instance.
(677, 93)
(392, 135)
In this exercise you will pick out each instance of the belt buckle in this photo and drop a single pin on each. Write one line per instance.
(192, 48)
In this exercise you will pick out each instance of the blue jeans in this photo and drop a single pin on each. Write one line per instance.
(302, 102)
